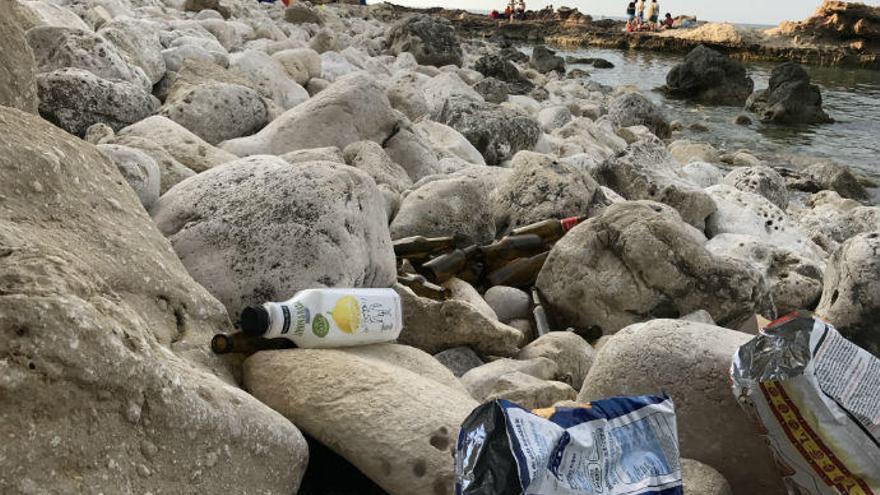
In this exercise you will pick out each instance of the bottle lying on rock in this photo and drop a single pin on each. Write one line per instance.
(422, 287)
(323, 318)
(550, 230)
(510, 248)
(519, 273)
(241, 343)
(421, 248)
(442, 268)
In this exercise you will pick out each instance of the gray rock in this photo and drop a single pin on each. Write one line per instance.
(838, 178)
(539, 188)
(176, 57)
(372, 159)
(139, 41)
(481, 380)
(545, 60)
(98, 133)
(508, 303)
(572, 354)
(700, 479)
(554, 117)
(454, 205)
(685, 151)
(195, 72)
(795, 281)
(499, 67)
(448, 142)
(431, 39)
(497, 132)
(492, 90)
(690, 362)
(405, 94)
(760, 180)
(530, 392)
(702, 174)
(18, 88)
(270, 78)
(460, 290)
(634, 109)
(646, 172)
(204, 41)
(187, 148)
(59, 48)
(334, 65)
(132, 368)
(324, 41)
(436, 326)
(409, 150)
(790, 99)
(369, 116)
(236, 240)
(404, 446)
(218, 112)
(139, 170)
(831, 220)
(200, 5)
(709, 77)
(637, 261)
(301, 13)
(74, 99)
(459, 360)
(301, 64)
(171, 170)
(851, 293)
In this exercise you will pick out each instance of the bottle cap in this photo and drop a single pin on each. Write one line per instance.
(255, 321)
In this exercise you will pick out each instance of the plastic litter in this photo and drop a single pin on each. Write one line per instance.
(618, 446)
(815, 397)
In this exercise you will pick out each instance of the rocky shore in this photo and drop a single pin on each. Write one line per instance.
(839, 33)
(166, 163)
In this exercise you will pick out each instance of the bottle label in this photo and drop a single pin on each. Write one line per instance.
(353, 315)
(569, 223)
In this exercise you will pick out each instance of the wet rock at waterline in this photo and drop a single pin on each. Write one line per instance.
(706, 76)
(790, 99)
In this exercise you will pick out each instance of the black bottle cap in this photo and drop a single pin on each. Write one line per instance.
(255, 321)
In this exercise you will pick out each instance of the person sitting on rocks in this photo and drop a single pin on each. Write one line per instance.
(668, 22)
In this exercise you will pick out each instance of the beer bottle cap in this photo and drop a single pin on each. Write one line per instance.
(255, 321)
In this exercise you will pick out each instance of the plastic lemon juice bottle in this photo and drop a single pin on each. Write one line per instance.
(320, 318)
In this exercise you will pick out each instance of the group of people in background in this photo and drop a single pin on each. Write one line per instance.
(644, 15)
(516, 10)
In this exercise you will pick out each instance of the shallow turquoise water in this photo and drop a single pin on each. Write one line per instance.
(851, 97)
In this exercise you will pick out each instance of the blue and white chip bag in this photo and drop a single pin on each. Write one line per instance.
(617, 446)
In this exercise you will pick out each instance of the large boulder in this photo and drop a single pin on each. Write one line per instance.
(388, 409)
(218, 111)
(18, 89)
(501, 68)
(437, 326)
(171, 171)
(539, 188)
(139, 169)
(795, 281)
(481, 380)
(140, 390)
(75, 99)
(839, 178)
(58, 48)
(530, 392)
(187, 148)
(851, 295)
(545, 60)
(459, 360)
(741, 212)
(638, 260)
(456, 205)
(761, 180)
(372, 159)
(39, 13)
(448, 142)
(270, 78)
(492, 90)
(408, 149)
(317, 123)
(301, 64)
(238, 226)
(709, 77)
(790, 99)
(431, 39)
(691, 363)
(647, 172)
(497, 132)
(632, 109)
(139, 41)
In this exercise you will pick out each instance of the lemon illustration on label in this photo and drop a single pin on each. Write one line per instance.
(347, 314)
